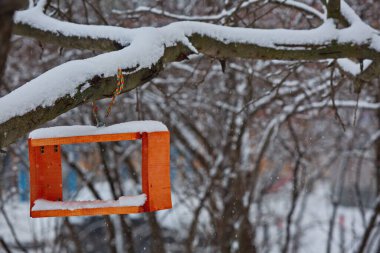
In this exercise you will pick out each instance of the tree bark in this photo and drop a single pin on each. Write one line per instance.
(377, 148)
(7, 9)
(333, 9)
(215, 47)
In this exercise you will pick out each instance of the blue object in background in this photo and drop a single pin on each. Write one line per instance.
(173, 155)
(71, 181)
(23, 185)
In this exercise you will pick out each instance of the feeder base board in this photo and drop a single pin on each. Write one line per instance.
(87, 211)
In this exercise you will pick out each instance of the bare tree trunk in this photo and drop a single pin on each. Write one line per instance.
(7, 8)
(370, 227)
(376, 210)
(4, 245)
(377, 148)
(13, 232)
(127, 231)
(74, 235)
(246, 234)
(157, 244)
(294, 201)
(337, 196)
(333, 9)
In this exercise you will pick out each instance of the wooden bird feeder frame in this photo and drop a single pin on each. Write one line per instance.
(46, 173)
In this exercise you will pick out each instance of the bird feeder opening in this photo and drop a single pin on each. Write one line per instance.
(46, 169)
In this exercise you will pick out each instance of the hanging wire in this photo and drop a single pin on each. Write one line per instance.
(95, 110)
(138, 105)
(119, 88)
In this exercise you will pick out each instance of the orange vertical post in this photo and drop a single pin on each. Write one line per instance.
(45, 173)
(156, 170)
(34, 189)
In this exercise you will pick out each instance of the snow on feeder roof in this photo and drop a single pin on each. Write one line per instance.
(46, 169)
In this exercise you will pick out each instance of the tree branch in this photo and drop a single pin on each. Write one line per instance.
(333, 9)
(98, 88)
(34, 23)
(323, 42)
(144, 53)
(73, 41)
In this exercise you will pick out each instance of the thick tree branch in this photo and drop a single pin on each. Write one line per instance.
(371, 72)
(215, 48)
(97, 88)
(323, 42)
(218, 48)
(34, 23)
(73, 41)
(146, 50)
(333, 9)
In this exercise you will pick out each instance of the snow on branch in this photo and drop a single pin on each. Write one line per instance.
(33, 22)
(280, 39)
(222, 14)
(364, 105)
(144, 51)
(302, 7)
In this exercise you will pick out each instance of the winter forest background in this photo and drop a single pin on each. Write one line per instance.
(275, 140)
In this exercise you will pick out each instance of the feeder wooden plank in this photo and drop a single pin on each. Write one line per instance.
(156, 170)
(87, 211)
(85, 139)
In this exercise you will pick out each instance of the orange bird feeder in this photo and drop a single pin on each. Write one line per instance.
(46, 169)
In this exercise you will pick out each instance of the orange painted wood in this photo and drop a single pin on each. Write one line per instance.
(85, 139)
(87, 211)
(156, 170)
(34, 190)
(46, 172)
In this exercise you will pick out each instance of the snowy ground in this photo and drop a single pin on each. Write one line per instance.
(314, 223)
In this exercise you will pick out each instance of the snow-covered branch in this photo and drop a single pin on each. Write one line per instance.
(144, 51)
(34, 23)
(323, 42)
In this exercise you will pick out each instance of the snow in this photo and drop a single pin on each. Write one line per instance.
(340, 104)
(351, 67)
(358, 32)
(28, 229)
(178, 31)
(304, 7)
(146, 126)
(272, 38)
(314, 223)
(67, 78)
(348, 13)
(132, 200)
(42, 204)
